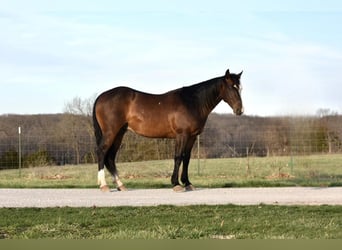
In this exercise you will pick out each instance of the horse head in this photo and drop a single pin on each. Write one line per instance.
(231, 92)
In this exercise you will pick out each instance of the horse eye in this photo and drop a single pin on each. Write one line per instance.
(237, 87)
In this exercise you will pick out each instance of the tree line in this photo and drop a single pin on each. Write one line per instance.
(67, 138)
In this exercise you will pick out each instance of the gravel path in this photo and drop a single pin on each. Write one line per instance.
(153, 197)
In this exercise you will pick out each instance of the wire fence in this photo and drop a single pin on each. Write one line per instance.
(25, 150)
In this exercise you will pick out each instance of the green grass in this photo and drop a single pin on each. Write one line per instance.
(169, 222)
(190, 222)
(315, 170)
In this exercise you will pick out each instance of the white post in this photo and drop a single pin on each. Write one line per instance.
(19, 150)
(198, 155)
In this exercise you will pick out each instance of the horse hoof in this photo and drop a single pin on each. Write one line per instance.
(178, 188)
(190, 188)
(122, 188)
(105, 188)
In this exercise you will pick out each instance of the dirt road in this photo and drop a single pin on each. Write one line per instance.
(153, 197)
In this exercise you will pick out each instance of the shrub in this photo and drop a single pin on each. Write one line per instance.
(38, 159)
(9, 160)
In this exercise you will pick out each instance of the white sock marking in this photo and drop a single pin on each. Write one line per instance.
(101, 178)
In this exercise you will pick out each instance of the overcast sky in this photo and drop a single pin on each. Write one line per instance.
(290, 51)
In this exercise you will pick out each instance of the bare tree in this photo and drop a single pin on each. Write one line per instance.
(76, 110)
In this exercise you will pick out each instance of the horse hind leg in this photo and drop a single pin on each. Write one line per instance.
(110, 159)
(102, 151)
(101, 180)
(103, 154)
(111, 167)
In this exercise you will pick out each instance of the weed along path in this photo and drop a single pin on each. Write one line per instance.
(153, 197)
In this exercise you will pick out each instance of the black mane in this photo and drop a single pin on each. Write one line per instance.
(204, 94)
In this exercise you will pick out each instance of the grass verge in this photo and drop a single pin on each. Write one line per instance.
(315, 170)
(170, 222)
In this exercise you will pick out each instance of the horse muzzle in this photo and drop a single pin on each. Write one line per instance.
(238, 111)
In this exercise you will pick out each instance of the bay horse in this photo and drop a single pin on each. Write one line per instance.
(180, 114)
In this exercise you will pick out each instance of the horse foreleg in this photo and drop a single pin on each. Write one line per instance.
(180, 145)
(185, 178)
(186, 159)
(174, 178)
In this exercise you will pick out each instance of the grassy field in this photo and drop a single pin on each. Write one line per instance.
(189, 222)
(169, 222)
(315, 170)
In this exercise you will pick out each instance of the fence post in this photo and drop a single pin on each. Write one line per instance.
(248, 170)
(19, 149)
(198, 155)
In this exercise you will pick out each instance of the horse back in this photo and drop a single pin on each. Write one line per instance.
(158, 116)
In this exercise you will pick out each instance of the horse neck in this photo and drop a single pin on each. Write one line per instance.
(208, 95)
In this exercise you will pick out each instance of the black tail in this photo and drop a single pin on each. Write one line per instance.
(97, 129)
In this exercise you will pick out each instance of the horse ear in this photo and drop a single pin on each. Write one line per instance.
(239, 75)
(227, 74)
